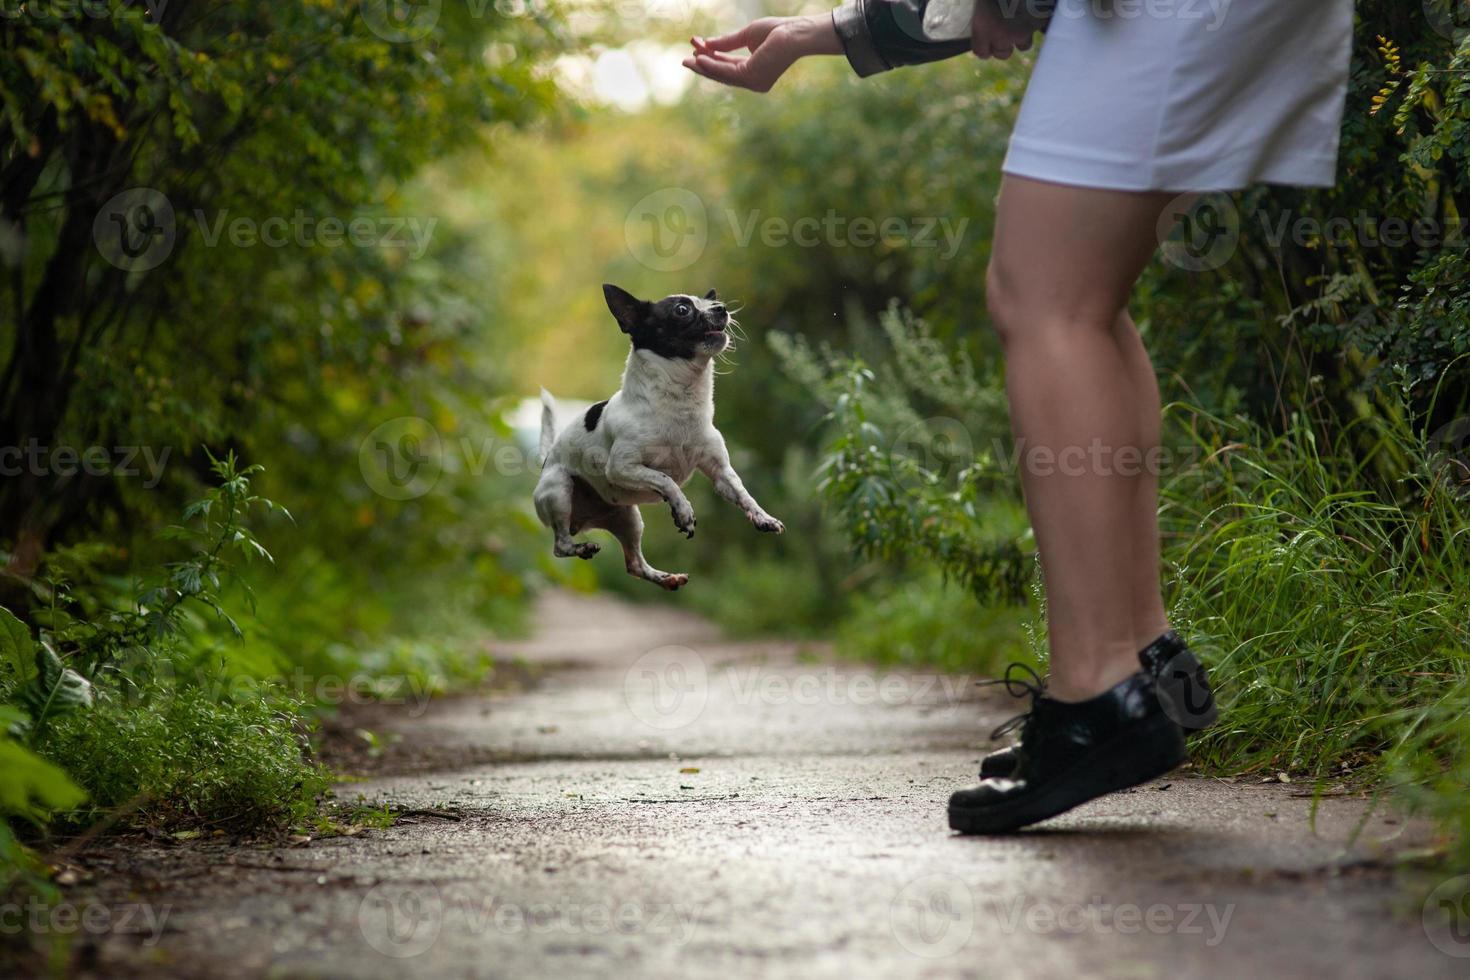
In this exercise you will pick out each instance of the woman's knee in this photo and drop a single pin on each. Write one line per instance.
(1029, 305)
(1004, 302)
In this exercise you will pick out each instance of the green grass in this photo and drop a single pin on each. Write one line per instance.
(1336, 619)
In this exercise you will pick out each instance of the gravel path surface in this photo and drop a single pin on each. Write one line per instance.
(666, 803)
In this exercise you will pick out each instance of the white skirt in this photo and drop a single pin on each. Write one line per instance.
(1186, 95)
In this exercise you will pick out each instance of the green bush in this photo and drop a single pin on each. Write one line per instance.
(765, 596)
(916, 468)
(1370, 286)
(274, 114)
(184, 761)
(924, 622)
(112, 694)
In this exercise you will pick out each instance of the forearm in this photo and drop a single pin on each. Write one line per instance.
(816, 35)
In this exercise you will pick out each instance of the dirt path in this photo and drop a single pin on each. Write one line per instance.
(666, 803)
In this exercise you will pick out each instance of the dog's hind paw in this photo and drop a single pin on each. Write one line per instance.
(766, 523)
(580, 549)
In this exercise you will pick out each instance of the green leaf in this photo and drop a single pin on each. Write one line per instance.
(15, 643)
(32, 787)
(56, 689)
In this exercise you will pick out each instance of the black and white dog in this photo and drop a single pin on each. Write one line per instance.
(642, 444)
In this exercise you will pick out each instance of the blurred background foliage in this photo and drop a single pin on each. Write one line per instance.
(1314, 509)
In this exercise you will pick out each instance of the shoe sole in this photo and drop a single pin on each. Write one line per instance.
(1098, 773)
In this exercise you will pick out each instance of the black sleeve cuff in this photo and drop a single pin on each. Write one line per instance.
(878, 35)
(857, 40)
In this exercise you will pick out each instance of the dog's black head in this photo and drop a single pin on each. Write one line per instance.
(678, 326)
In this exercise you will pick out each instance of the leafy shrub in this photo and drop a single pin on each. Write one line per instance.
(766, 596)
(910, 473)
(923, 621)
(268, 112)
(1363, 285)
(183, 760)
(33, 788)
(105, 700)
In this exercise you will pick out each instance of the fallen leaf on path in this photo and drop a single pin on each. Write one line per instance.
(690, 769)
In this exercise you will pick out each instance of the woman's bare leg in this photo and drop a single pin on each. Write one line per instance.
(1150, 619)
(1084, 410)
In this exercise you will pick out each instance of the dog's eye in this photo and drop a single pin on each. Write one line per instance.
(683, 309)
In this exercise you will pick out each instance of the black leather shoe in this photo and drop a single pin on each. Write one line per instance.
(1182, 682)
(1072, 753)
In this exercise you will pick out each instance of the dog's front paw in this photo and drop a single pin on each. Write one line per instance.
(766, 523)
(684, 519)
(674, 582)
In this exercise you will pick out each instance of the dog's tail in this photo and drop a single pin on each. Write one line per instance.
(548, 424)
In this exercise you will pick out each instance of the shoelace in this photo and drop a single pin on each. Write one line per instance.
(1017, 686)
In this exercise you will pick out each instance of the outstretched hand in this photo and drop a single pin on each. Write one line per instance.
(774, 45)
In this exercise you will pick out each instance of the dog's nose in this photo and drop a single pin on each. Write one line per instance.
(717, 308)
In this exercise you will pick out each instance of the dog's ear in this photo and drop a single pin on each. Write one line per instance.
(711, 294)
(626, 308)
